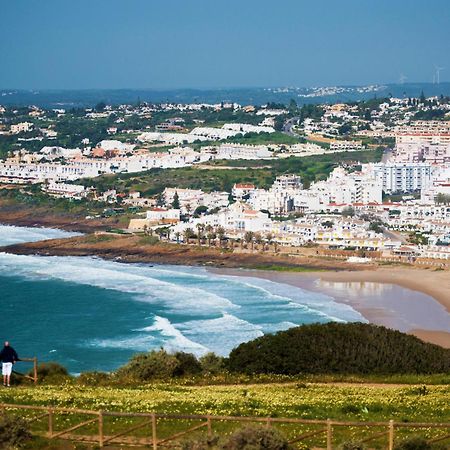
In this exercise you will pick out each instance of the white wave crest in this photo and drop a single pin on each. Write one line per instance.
(16, 235)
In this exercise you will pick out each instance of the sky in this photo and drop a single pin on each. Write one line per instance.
(165, 44)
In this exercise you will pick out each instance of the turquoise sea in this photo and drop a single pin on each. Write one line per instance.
(91, 314)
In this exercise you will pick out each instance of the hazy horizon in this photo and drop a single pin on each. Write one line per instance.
(110, 44)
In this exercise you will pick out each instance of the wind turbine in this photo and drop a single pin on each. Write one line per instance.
(402, 78)
(438, 73)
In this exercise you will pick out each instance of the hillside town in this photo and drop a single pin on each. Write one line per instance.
(396, 207)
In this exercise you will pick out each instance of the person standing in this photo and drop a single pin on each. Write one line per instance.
(8, 357)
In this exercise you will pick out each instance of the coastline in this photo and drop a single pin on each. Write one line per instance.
(137, 249)
(434, 284)
(303, 272)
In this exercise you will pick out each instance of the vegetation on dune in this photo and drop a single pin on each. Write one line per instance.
(339, 348)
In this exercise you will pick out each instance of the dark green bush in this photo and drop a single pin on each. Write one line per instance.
(212, 364)
(256, 438)
(339, 348)
(414, 443)
(188, 364)
(94, 378)
(14, 432)
(352, 445)
(202, 443)
(51, 372)
(157, 364)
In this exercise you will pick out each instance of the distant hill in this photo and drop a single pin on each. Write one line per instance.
(257, 96)
(339, 348)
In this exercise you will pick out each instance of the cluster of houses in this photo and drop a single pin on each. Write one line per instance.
(348, 210)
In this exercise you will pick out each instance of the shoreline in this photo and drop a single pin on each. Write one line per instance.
(294, 271)
(432, 284)
(136, 249)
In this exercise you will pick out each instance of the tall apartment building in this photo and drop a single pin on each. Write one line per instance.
(402, 177)
(423, 141)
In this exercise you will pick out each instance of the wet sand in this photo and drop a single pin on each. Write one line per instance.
(415, 301)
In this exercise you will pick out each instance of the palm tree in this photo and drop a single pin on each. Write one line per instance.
(177, 235)
(221, 234)
(258, 238)
(160, 232)
(200, 228)
(269, 239)
(188, 234)
(248, 237)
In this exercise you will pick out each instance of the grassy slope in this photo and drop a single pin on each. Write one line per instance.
(354, 402)
(339, 401)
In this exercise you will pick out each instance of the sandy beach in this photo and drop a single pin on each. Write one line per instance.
(421, 308)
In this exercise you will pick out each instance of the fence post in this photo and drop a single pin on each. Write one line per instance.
(35, 370)
(154, 437)
(269, 422)
(209, 425)
(100, 428)
(329, 435)
(50, 422)
(391, 435)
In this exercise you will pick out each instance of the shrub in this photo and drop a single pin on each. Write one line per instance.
(147, 366)
(339, 348)
(212, 364)
(352, 445)
(187, 364)
(51, 372)
(414, 443)
(94, 378)
(256, 438)
(203, 443)
(14, 432)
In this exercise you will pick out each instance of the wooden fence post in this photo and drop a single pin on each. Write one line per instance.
(100, 428)
(209, 425)
(391, 435)
(50, 422)
(35, 370)
(154, 437)
(329, 435)
(268, 423)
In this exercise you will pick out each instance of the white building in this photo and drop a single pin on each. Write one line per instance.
(241, 151)
(241, 190)
(402, 177)
(191, 199)
(65, 190)
(427, 141)
(22, 127)
(159, 215)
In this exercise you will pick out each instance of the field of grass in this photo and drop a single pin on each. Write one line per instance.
(336, 401)
(367, 402)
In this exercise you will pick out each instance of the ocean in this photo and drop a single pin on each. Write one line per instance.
(91, 314)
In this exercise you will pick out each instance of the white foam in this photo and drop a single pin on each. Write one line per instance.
(116, 276)
(15, 235)
(176, 340)
(141, 343)
(221, 334)
(319, 304)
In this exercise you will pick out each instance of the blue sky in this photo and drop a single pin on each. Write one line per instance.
(75, 44)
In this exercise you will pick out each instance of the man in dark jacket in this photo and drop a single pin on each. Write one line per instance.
(8, 356)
